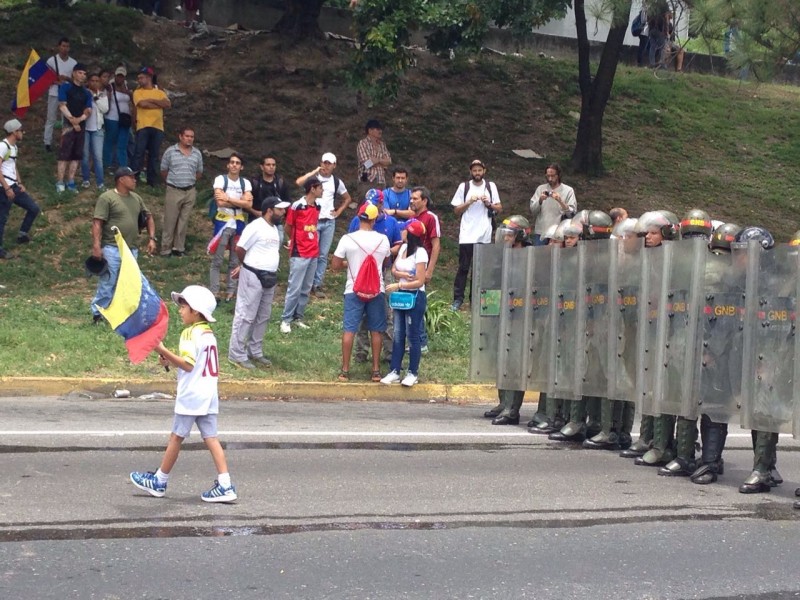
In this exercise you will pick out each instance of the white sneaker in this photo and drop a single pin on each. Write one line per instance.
(409, 380)
(285, 327)
(301, 325)
(391, 377)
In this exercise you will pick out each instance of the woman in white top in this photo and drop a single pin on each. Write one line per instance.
(93, 138)
(409, 270)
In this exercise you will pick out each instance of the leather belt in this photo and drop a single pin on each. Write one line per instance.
(183, 189)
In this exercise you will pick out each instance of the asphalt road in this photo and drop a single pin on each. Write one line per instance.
(371, 500)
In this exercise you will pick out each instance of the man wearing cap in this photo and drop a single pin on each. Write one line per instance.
(181, 167)
(373, 158)
(332, 186)
(258, 251)
(75, 105)
(13, 190)
(118, 208)
(476, 202)
(118, 121)
(301, 231)
(150, 103)
(551, 203)
(62, 64)
(350, 254)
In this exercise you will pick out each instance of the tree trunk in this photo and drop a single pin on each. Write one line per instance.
(588, 154)
(300, 19)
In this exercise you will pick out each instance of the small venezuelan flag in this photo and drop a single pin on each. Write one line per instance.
(34, 81)
(136, 312)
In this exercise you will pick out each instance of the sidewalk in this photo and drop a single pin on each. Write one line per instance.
(257, 390)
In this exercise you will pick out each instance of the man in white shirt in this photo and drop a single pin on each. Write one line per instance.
(62, 63)
(350, 254)
(332, 186)
(551, 203)
(476, 202)
(13, 191)
(258, 251)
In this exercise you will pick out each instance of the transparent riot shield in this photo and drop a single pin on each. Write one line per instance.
(652, 295)
(487, 271)
(717, 380)
(769, 339)
(624, 274)
(512, 351)
(677, 329)
(540, 266)
(563, 317)
(591, 361)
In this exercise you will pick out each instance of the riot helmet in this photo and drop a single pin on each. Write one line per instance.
(624, 229)
(723, 237)
(696, 223)
(550, 233)
(571, 232)
(674, 222)
(594, 224)
(758, 234)
(659, 225)
(515, 229)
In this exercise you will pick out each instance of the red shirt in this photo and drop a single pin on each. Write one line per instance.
(303, 220)
(432, 229)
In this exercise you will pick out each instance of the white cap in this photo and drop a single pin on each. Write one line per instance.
(329, 157)
(198, 298)
(14, 125)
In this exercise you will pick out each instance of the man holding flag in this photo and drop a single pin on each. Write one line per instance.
(118, 208)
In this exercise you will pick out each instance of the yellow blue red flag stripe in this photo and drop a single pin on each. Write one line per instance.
(34, 81)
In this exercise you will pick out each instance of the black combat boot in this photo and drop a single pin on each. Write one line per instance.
(575, 430)
(608, 438)
(683, 464)
(764, 450)
(711, 463)
(510, 414)
(593, 420)
(661, 452)
(494, 412)
(645, 441)
(554, 420)
(541, 411)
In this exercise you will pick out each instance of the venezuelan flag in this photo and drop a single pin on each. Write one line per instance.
(34, 81)
(136, 311)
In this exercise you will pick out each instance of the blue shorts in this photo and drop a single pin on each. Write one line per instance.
(355, 309)
(207, 424)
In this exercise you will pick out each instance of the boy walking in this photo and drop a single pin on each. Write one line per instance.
(197, 400)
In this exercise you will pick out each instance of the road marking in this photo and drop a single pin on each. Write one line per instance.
(305, 433)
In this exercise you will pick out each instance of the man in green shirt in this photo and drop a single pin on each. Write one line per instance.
(120, 208)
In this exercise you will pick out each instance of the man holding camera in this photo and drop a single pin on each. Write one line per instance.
(551, 203)
(476, 202)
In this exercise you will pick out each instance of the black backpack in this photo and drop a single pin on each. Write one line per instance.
(212, 204)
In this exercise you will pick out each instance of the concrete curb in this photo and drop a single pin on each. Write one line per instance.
(256, 390)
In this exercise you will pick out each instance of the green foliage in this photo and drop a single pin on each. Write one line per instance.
(438, 316)
(384, 29)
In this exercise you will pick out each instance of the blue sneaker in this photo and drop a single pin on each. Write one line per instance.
(147, 482)
(219, 494)
(71, 186)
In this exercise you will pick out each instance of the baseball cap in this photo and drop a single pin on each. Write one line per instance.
(477, 161)
(416, 228)
(329, 157)
(309, 183)
(12, 126)
(368, 212)
(373, 124)
(79, 67)
(121, 71)
(147, 71)
(124, 172)
(273, 202)
(198, 298)
(374, 196)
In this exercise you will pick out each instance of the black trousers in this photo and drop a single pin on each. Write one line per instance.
(465, 252)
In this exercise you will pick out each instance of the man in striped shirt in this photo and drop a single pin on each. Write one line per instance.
(181, 167)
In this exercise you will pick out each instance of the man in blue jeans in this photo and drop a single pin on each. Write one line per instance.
(332, 186)
(120, 208)
(301, 231)
(13, 190)
(149, 102)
